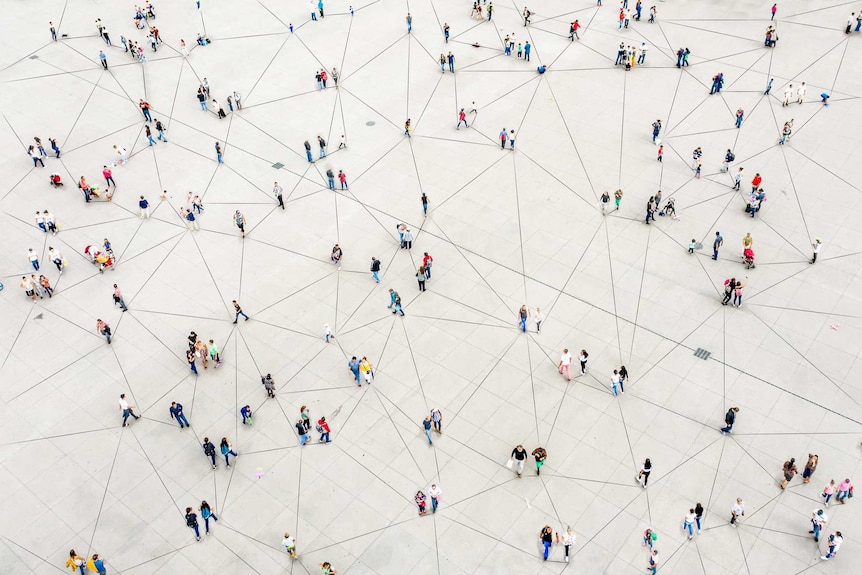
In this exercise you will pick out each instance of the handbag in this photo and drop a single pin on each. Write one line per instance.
(509, 463)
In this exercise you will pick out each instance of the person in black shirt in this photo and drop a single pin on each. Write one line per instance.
(519, 454)
(192, 521)
(729, 419)
(209, 451)
(540, 454)
(547, 537)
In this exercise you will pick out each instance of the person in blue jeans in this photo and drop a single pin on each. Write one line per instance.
(308, 151)
(324, 430)
(527, 48)
(523, 314)
(192, 521)
(353, 366)
(547, 537)
(653, 562)
(206, 513)
(238, 311)
(716, 243)
(302, 429)
(227, 450)
(426, 423)
(729, 419)
(97, 564)
(177, 413)
(688, 523)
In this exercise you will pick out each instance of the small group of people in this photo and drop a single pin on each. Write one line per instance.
(225, 447)
(361, 370)
(564, 367)
(192, 518)
(421, 500)
(519, 457)
(200, 350)
(547, 537)
(433, 421)
(303, 425)
(524, 314)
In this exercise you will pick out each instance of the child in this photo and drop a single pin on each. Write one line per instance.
(660, 153)
(697, 172)
(328, 332)
(692, 245)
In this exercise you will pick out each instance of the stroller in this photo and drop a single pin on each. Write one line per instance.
(103, 260)
(55, 180)
(748, 258)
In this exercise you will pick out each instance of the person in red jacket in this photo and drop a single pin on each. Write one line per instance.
(426, 263)
(342, 177)
(755, 183)
(324, 430)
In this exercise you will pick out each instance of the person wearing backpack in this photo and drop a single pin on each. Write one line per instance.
(729, 419)
(324, 430)
(192, 521)
(227, 450)
(302, 430)
(209, 451)
(206, 513)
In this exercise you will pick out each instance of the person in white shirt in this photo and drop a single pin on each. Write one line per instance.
(800, 93)
(565, 364)
(737, 511)
(818, 522)
(56, 258)
(835, 541)
(434, 492)
(50, 223)
(615, 381)
(568, 541)
(40, 222)
(539, 318)
(688, 523)
(815, 247)
(127, 409)
(788, 93)
(289, 545)
(278, 191)
(584, 358)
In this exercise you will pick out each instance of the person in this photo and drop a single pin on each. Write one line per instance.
(176, 411)
(584, 357)
(605, 200)
(810, 467)
(624, 376)
(688, 523)
(420, 278)
(375, 269)
(815, 249)
(546, 536)
(818, 521)
(427, 260)
(845, 488)
(426, 424)
(828, 492)
(227, 450)
(238, 311)
(789, 470)
(192, 521)
(326, 568)
(206, 513)
(716, 244)
(737, 511)
(324, 430)
(97, 564)
(397, 302)
(435, 493)
(437, 420)
(653, 562)
(246, 414)
(729, 419)
(643, 473)
(75, 562)
(568, 541)
(519, 454)
(540, 454)
(698, 514)
(565, 364)
(538, 318)
(289, 545)
(649, 537)
(102, 327)
(366, 369)
(301, 426)
(209, 450)
(835, 541)
(420, 500)
(336, 255)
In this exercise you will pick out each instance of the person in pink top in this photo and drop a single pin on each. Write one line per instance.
(843, 490)
(828, 492)
(109, 178)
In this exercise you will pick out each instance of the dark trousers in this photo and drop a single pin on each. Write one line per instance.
(421, 285)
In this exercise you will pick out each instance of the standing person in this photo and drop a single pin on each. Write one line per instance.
(815, 249)
(618, 197)
(737, 292)
(717, 243)
(420, 278)
(818, 522)
(277, 191)
(546, 536)
(118, 298)
(144, 206)
(426, 423)
(409, 23)
(342, 177)
(737, 511)
(269, 385)
(740, 113)
(289, 545)
(828, 492)
(427, 260)
(451, 60)
(698, 514)
(330, 178)
(212, 348)
(103, 59)
(326, 568)
(656, 130)
(206, 513)
(800, 93)
(424, 204)
(324, 430)
(245, 412)
(210, 450)
(420, 500)
(190, 357)
(565, 364)
(755, 183)
(127, 410)
(519, 455)
(321, 143)
(649, 537)
(523, 314)
(192, 520)
(238, 312)
(624, 375)
(584, 357)
(102, 328)
(835, 541)
(226, 450)
(375, 269)
(45, 284)
(538, 318)
(336, 255)
(653, 562)
(437, 420)
(539, 454)
(434, 493)
(789, 470)
(176, 411)
(643, 473)
(729, 420)
(109, 178)
(810, 467)
(844, 490)
(503, 137)
(737, 180)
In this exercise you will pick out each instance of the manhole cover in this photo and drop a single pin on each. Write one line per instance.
(702, 353)
(370, 123)
(278, 165)
(34, 57)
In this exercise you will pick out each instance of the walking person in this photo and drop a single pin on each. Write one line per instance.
(737, 511)
(434, 493)
(539, 454)
(643, 473)
(227, 450)
(546, 536)
(246, 414)
(375, 269)
(238, 312)
(519, 455)
(729, 420)
(737, 292)
(426, 424)
(584, 358)
(462, 117)
(366, 369)
(717, 243)
(427, 260)
(190, 357)
(103, 59)
(815, 249)
(565, 364)
(835, 541)
(538, 318)
(828, 492)
(649, 537)
(810, 467)
(45, 285)
(523, 314)
(102, 328)
(277, 191)
(437, 420)
(420, 500)
(818, 522)
(568, 541)
(688, 522)
(398, 308)
(451, 60)
(126, 409)
(424, 204)
(289, 545)
(192, 520)
(342, 177)
(845, 489)
(789, 470)
(653, 562)
(269, 385)
(324, 430)
(624, 376)
(698, 514)
(209, 450)
(75, 562)
(212, 349)
(118, 298)
(176, 411)
(615, 381)
(206, 513)
(219, 156)
(420, 278)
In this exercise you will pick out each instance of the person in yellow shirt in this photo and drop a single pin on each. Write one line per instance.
(75, 562)
(367, 369)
